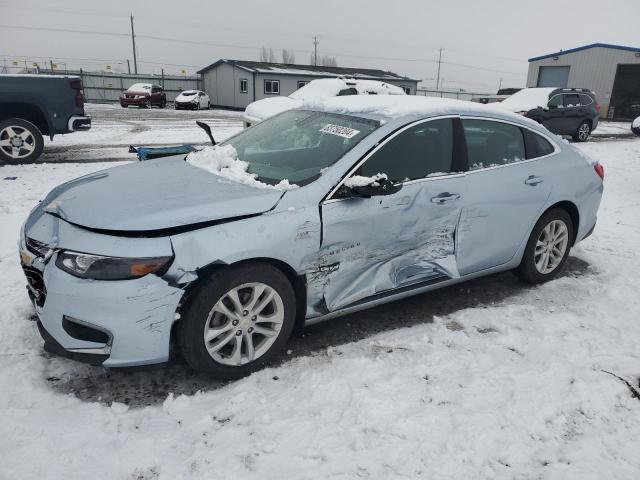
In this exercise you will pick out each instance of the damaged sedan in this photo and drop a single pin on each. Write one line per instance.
(306, 216)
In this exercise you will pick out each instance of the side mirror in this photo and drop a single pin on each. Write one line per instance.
(377, 188)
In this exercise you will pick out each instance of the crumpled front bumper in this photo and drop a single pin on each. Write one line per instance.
(134, 316)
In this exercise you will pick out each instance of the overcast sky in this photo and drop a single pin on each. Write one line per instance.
(483, 41)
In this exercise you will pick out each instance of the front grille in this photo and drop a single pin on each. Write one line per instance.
(39, 249)
(35, 285)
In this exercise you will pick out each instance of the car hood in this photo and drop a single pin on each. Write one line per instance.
(155, 195)
(136, 92)
(268, 107)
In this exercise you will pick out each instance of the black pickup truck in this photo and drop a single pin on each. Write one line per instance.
(35, 105)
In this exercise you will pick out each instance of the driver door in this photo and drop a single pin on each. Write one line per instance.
(377, 245)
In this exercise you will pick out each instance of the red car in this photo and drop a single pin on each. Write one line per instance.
(143, 95)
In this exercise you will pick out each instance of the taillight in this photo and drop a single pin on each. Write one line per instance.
(599, 170)
(598, 107)
(77, 86)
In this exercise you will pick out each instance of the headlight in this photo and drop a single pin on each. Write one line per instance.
(99, 267)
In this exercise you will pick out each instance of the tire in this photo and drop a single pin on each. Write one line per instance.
(208, 105)
(196, 106)
(163, 104)
(530, 269)
(124, 105)
(229, 332)
(583, 132)
(20, 141)
(147, 104)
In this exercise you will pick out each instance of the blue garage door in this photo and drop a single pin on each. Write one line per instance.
(553, 77)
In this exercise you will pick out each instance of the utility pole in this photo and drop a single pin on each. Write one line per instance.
(315, 50)
(500, 84)
(128, 66)
(439, 62)
(133, 41)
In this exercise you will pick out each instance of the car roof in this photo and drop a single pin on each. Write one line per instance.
(389, 107)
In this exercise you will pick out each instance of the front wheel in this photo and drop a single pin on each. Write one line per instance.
(548, 247)
(163, 104)
(583, 132)
(237, 320)
(20, 141)
(147, 104)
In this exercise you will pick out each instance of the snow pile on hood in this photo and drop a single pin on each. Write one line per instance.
(526, 99)
(361, 181)
(222, 160)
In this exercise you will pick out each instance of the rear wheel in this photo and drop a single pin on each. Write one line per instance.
(583, 132)
(548, 247)
(20, 141)
(238, 320)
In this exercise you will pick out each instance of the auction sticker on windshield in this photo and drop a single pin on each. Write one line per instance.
(339, 130)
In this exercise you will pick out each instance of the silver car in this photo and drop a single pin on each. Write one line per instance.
(393, 197)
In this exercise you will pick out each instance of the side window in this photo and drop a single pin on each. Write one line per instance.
(556, 101)
(347, 91)
(585, 100)
(490, 144)
(571, 100)
(536, 145)
(421, 151)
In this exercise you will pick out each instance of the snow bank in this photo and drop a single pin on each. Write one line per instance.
(526, 99)
(222, 160)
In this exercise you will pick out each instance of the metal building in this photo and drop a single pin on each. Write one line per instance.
(237, 83)
(611, 71)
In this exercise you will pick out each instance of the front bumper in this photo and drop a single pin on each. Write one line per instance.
(133, 101)
(134, 316)
(78, 123)
(186, 105)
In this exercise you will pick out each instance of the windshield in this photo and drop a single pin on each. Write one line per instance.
(188, 94)
(139, 86)
(296, 145)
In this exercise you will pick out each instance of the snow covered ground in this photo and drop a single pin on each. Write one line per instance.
(490, 379)
(114, 128)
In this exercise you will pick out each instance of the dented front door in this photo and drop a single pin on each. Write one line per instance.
(378, 244)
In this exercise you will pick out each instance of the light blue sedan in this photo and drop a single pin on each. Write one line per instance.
(312, 214)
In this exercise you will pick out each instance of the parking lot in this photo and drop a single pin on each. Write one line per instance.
(115, 128)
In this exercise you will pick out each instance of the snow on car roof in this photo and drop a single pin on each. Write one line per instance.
(140, 86)
(331, 87)
(527, 99)
(396, 106)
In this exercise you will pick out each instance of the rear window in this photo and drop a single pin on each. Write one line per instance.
(490, 144)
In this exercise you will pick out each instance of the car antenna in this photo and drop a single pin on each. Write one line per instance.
(207, 129)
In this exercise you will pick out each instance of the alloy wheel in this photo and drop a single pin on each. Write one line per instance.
(243, 324)
(583, 132)
(551, 246)
(17, 142)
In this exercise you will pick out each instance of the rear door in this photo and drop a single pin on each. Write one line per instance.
(506, 191)
(373, 246)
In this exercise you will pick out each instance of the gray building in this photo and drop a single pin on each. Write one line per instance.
(611, 71)
(237, 83)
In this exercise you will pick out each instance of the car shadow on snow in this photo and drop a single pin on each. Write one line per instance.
(151, 385)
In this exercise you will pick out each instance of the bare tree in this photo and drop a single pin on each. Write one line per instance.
(324, 60)
(264, 54)
(288, 56)
(267, 55)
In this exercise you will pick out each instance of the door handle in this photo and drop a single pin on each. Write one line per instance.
(445, 197)
(533, 180)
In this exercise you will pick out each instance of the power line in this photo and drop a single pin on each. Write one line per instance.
(195, 42)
